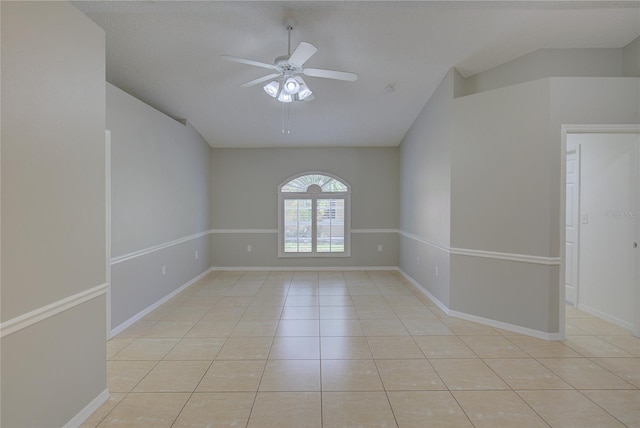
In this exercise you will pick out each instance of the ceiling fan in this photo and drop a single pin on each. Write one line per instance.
(287, 84)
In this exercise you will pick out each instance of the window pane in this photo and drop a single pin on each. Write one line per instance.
(327, 184)
(297, 226)
(330, 225)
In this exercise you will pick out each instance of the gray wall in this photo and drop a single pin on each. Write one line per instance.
(53, 212)
(245, 196)
(425, 193)
(604, 62)
(159, 194)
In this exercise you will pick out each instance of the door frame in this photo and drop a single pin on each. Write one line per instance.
(589, 129)
(574, 149)
(107, 184)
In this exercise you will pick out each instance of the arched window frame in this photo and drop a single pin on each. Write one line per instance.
(314, 196)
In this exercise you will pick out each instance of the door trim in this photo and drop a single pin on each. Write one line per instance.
(587, 129)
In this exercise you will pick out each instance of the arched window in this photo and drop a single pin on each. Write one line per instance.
(314, 216)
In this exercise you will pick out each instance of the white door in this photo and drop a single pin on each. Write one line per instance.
(572, 224)
(608, 268)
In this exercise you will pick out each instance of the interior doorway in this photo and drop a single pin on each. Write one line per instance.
(601, 212)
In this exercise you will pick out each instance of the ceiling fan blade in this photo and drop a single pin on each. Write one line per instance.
(330, 74)
(248, 61)
(303, 52)
(260, 80)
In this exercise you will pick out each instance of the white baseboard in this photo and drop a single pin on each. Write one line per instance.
(117, 330)
(88, 410)
(480, 320)
(424, 292)
(300, 268)
(614, 320)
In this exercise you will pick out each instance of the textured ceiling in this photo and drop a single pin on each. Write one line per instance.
(168, 55)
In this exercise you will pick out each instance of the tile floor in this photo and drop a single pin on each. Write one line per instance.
(357, 349)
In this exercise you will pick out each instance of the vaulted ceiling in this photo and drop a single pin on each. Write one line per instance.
(168, 55)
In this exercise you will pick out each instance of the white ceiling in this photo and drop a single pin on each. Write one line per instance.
(168, 55)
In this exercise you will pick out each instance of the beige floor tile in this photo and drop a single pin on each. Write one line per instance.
(286, 410)
(301, 301)
(96, 417)
(368, 300)
(345, 348)
(123, 376)
(355, 276)
(221, 328)
(303, 289)
(409, 375)
(157, 314)
(356, 409)
(626, 368)
(443, 347)
(186, 313)
(341, 328)
(468, 328)
(333, 289)
(295, 348)
(224, 313)
(383, 327)
(147, 349)
(624, 405)
(350, 375)
(568, 409)
(581, 373)
(300, 313)
(258, 275)
(197, 348)
(245, 348)
(156, 410)
(364, 290)
(376, 312)
(598, 327)
(539, 348)
(497, 409)
(169, 329)
(262, 328)
(426, 327)
(526, 373)
(136, 329)
(420, 409)
(232, 376)
(395, 290)
(305, 275)
(394, 348)
(291, 375)
(216, 410)
(335, 301)
(467, 374)
(234, 302)
(116, 344)
(628, 343)
(414, 312)
(298, 328)
(592, 346)
(173, 376)
(493, 347)
(396, 300)
(254, 313)
(279, 276)
(338, 313)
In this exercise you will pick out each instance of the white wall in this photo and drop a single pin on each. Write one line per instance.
(608, 197)
(160, 193)
(53, 213)
(603, 62)
(425, 193)
(501, 208)
(245, 197)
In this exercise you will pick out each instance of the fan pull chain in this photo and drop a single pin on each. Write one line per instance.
(285, 119)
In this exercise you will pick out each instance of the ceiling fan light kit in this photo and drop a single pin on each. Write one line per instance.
(287, 86)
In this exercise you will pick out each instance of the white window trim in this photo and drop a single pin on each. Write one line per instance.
(314, 197)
